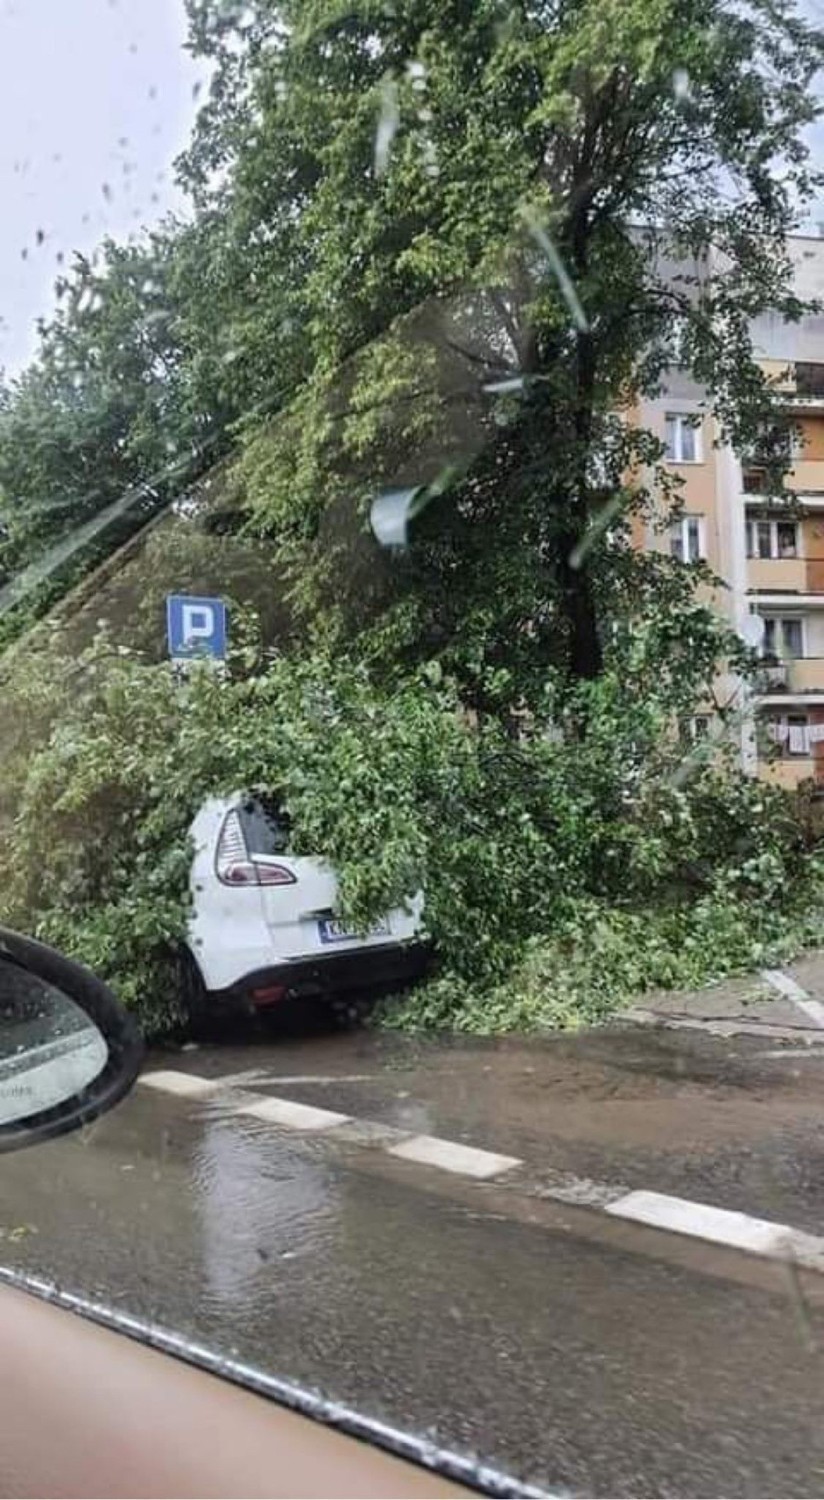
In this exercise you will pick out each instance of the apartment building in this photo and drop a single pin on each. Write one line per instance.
(770, 556)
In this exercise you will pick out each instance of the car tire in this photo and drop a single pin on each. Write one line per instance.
(192, 993)
(350, 1010)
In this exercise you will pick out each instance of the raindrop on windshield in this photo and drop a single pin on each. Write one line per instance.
(388, 121)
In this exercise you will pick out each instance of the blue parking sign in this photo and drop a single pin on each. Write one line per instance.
(196, 628)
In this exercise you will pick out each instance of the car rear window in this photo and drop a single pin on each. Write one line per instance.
(266, 825)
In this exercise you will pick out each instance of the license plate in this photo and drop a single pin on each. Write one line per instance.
(332, 930)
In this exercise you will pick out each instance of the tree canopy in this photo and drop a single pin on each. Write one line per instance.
(615, 179)
(618, 179)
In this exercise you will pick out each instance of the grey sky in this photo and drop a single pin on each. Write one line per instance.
(92, 92)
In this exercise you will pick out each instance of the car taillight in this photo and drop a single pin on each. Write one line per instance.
(273, 874)
(233, 865)
(242, 873)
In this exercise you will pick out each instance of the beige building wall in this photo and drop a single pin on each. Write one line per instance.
(787, 773)
(724, 495)
(699, 489)
(707, 483)
(793, 355)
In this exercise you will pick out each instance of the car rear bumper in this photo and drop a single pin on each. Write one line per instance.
(365, 969)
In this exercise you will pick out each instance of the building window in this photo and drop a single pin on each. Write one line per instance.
(786, 538)
(772, 539)
(755, 481)
(761, 543)
(687, 539)
(798, 734)
(790, 733)
(809, 379)
(683, 437)
(694, 729)
(783, 637)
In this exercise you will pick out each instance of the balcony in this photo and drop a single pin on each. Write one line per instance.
(802, 678)
(780, 374)
(772, 678)
(775, 574)
(799, 384)
(806, 474)
(803, 478)
(755, 497)
(773, 601)
(787, 773)
(809, 380)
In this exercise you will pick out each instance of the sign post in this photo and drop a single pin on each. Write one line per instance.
(196, 628)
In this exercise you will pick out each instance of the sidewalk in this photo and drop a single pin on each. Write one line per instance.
(785, 1004)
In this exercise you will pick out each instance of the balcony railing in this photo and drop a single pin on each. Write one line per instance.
(773, 677)
(788, 773)
(806, 474)
(754, 481)
(774, 574)
(801, 676)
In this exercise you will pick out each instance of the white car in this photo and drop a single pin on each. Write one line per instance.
(263, 926)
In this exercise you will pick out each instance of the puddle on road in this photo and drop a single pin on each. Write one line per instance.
(683, 1115)
(259, 1202)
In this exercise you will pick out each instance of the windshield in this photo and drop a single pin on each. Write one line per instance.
(412, 655)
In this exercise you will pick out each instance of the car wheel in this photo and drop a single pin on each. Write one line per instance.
(350, 1011)
(192, 992)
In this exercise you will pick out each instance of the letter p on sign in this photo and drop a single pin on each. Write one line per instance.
(196, 628)
(198, 623)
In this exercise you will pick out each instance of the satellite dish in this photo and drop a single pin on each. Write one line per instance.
(752, 631)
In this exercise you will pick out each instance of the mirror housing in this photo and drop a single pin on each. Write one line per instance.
(120, 1045)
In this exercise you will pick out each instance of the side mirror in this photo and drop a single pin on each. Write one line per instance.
(68, 1050)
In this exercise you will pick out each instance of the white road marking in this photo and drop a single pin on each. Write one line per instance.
(452, 1156)
(812, 1049)
(584, 1192)
(720, 1225)
(674, 1215)
(370, 1133)
(187, 1085)
(288, 1113)
(805, 1249)
(814, 1009)
(784, 984)
(787, 986)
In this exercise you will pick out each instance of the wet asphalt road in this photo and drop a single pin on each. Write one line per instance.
(579, 1352)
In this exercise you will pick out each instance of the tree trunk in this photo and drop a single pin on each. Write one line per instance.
(585, 654)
